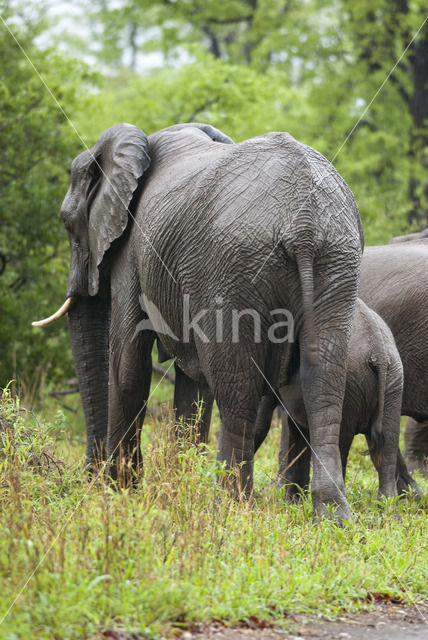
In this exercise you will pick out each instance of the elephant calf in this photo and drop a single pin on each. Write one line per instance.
(372, 404)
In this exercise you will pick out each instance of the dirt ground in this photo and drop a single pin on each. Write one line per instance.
(387, 621)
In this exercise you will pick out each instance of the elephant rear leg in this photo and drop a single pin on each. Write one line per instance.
(294, 459)
(401, 480)
(383, 446)
(416, 445)
(323, 387)
(193, 402)
(323, 378)
(405, 482)
(386, 464)
(238, 396)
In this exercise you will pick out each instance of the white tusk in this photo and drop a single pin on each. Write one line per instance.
(58, 314)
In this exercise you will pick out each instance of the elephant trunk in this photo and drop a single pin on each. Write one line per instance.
(88, 323)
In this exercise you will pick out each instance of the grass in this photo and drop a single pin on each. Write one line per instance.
(78, 558)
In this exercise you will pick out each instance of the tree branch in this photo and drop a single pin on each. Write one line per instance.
(31, 106)
(203, 106)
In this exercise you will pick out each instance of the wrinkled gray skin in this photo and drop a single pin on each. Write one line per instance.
(394, 282)
(264, 224)
(416, 432)
(411, 237)
(372, 405)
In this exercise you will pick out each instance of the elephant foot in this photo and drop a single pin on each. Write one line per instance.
(96, 460)
(294, 493)
(238, 485)
(125, 472)
(407, 487)
(334, 512)
(416, 446)
(387, 489)
(331, 507)
(418, 463)
(329, 494)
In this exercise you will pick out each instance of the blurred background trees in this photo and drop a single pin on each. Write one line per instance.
(37, 145)
(247, 66)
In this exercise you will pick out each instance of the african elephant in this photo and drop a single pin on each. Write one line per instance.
(411, 237)
(394, 282)
(416, 433)
(372, 404)
(206, 242)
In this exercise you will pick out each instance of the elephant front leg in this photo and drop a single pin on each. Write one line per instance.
(129, 388)
(193, 403)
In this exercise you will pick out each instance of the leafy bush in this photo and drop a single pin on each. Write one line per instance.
(78, 558)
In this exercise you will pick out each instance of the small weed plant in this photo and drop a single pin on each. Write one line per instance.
(78, 557)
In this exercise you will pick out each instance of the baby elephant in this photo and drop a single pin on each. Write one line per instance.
(372, 406)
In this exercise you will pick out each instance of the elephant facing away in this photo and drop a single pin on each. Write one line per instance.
(394, 282)
(372, 405)
(172, 232)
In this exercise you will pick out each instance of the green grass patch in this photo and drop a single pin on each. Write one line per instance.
(77, 558)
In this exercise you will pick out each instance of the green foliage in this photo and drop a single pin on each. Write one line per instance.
(178, 550)
(324, 65)
(233, 98)
(245, 66)
(37, 145)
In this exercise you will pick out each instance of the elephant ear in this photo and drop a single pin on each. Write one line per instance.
(215, 134)
(121, 158)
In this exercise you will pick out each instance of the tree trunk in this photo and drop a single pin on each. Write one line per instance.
(418, 187)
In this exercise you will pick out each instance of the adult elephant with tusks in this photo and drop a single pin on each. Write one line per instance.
(187, 227)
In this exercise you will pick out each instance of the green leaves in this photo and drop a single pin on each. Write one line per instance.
(37, 145)
(177, 550)
(246, 67)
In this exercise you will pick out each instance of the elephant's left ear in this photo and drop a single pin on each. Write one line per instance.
(120, 159)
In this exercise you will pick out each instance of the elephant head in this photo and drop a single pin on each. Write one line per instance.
(95, 212)
(96, 209)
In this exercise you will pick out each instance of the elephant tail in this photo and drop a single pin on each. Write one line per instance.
(305, 266)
